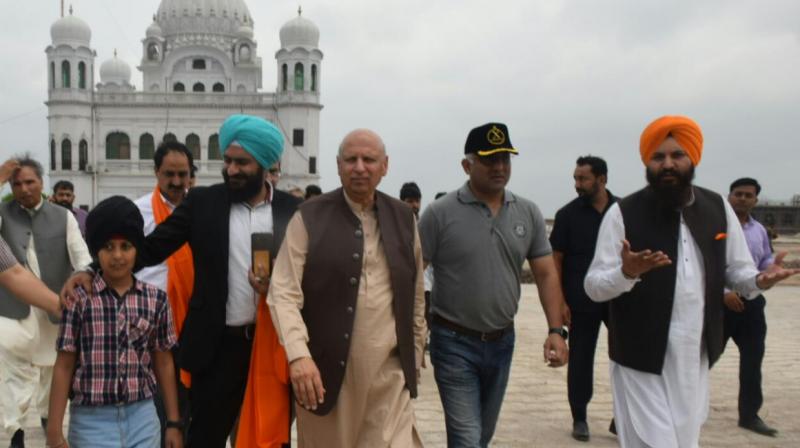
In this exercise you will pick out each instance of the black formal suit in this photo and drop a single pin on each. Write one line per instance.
(217, 357)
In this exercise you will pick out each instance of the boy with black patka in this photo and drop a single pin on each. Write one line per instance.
(114, 346)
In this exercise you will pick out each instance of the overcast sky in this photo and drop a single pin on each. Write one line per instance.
(568, 77)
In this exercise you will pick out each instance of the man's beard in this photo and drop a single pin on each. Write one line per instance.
(252, 185)
(588, 195)
(66, 205)
(672, 195)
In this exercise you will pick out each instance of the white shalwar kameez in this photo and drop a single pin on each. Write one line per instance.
(667, 410)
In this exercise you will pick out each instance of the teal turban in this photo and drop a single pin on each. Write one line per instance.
(256, 135)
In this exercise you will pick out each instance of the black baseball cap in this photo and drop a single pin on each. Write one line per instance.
(489, 139)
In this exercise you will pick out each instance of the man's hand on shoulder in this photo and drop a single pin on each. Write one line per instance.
(79, 278)
(306, 382)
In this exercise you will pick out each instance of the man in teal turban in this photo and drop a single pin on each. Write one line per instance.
(255, 135)
(249, 145)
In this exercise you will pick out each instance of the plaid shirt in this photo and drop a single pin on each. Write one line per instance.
(114, 337)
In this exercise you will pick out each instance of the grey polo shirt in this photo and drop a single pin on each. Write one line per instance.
(477, 258)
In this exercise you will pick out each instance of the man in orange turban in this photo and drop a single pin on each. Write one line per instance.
(663, 258)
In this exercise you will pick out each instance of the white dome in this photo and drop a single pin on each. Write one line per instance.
(245, 32)
(153, 30)
(70, 30)
(115, 71)
(299, 32)
(221, 17)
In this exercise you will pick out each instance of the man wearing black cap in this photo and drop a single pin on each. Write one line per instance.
(477, 239)
(411, 195)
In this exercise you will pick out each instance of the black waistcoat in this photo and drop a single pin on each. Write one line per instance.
(639, 320)
(331, 277)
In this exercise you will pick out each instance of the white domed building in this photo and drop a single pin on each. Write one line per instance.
(199, 65)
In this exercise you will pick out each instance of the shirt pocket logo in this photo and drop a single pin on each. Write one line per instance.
(520, 230)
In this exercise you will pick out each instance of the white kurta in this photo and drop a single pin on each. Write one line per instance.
(667, 410)
(28, 346)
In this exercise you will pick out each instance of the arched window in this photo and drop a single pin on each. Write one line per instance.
(118, 146)
(314, 77)
(198, 87)
(147, 147)
(284, 77)
(152, 52)
(52, 155)
(193, 143)
(81, 75)
(169, 137)
(66, 154)
(299, 82)
(213, 148)
(52, 75)
(218, 87)
(244, 53)
(65, 74)
(178, 87)
(83, 155)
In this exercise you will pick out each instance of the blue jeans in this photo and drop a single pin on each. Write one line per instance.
(471, 376)
(127, 426)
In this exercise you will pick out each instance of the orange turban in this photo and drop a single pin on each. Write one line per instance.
(683, 129)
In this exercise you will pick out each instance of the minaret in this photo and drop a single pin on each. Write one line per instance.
(299, 64)
(70, 77)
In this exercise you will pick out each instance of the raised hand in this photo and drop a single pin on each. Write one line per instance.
(634, 264)
(7, 169)
(775, 273)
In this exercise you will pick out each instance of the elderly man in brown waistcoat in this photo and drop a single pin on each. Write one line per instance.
(347, 300)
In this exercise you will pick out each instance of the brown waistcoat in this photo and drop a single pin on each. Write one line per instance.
(331, 278)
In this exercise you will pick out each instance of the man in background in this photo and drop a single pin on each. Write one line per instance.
(744, 319)
(64, 195)
(573, 239)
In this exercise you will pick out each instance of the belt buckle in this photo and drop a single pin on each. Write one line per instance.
(484, 337)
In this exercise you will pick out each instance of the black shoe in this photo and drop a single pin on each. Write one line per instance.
(18, 441)
(758, 426)
(580, 431)
(612, 428)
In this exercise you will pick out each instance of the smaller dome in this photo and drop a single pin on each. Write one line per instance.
(154, 30)
(70, 30)
(115, 71)
(299, 32)
(245, 32)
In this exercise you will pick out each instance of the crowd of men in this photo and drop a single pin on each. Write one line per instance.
(332, 329)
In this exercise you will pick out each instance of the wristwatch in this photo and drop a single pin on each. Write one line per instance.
(177, 424)
(561, 331)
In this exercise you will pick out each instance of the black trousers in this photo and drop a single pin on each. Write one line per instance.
(749, 331)
(216, 395)
(584, 329)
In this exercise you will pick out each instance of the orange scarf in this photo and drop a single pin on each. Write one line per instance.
(180, 275)
(264, 419)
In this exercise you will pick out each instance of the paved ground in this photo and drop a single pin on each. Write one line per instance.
(536, 413)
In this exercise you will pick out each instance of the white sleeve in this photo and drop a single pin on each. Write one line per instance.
(604, 280)
(740, 270)
(76, 246)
